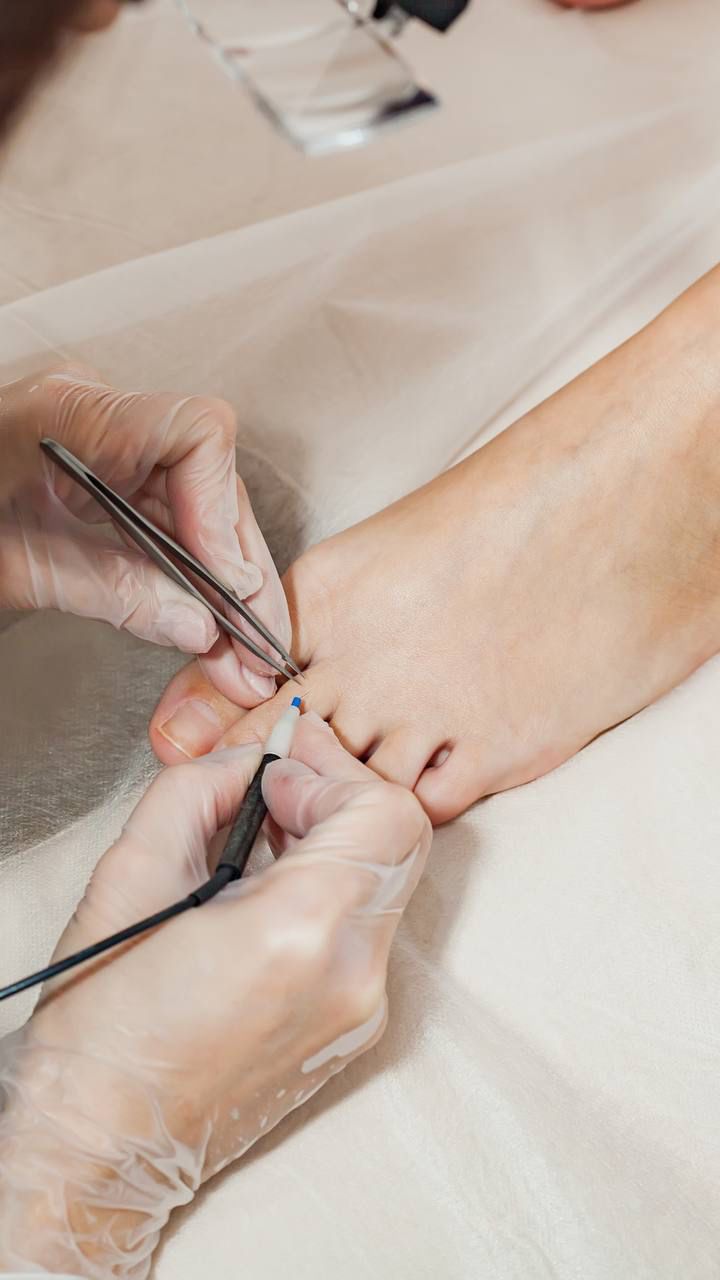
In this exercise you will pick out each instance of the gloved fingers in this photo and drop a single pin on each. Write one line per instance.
(188, 461)
(176, 451)
(233, 678)
(389, 818)
(238, 683)
(64, 564)
(320, 922)
(128, 437)
(155, 508)
(299, 791)
(269, 601)
(118, 434)
(28, 411)
(128, 591)
(214, 519)
(163, 851)
(228, 1017)
(202, 490)
(316, 745)
(232, 667)
(361, 846)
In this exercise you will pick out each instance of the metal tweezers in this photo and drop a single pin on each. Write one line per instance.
(160, 547)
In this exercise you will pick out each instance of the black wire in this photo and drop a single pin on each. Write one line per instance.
(222, 876)
(233, 862)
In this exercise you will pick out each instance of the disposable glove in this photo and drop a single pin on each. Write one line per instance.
(173, 458)
(138, 1079)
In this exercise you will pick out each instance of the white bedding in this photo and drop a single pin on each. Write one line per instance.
(545, 1102)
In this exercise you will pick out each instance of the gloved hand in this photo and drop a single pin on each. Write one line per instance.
(137, 1080)
(173, 457)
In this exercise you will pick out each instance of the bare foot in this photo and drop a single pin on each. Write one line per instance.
(480, 631)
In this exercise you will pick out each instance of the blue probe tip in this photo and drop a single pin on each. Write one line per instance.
(296, 702)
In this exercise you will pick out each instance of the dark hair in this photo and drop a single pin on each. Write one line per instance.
(30, 32)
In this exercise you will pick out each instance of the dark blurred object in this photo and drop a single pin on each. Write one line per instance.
(439, 14)
(31, 33)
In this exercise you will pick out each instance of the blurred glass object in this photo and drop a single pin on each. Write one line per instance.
(322, 71)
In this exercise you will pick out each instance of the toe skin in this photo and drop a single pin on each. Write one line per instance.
(446, 790)
(214, 714)
(402, 756)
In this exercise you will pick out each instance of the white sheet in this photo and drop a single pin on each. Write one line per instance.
(545, 1103)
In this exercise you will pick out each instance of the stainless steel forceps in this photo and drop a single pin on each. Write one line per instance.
(160, 547)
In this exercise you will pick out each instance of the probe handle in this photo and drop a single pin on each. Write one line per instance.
(244, 831)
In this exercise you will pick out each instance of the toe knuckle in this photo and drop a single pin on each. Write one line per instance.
(220, 417)
(58, 381)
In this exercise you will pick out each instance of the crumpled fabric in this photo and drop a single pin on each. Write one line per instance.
(545, 1100)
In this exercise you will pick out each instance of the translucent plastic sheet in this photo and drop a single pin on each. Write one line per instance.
(545, 1102)
(323, 76)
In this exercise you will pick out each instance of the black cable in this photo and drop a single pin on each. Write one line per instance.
(439, 14)
(234, 860)
(203, 894)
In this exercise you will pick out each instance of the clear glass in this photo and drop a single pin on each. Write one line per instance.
(320, 70)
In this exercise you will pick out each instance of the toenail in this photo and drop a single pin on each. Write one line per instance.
(193, 728)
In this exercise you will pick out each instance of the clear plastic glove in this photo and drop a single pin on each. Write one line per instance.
(174, 458)
(136, 1081)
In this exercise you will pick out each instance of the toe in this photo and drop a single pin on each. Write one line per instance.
(316, 745)
(318, 691)
(354, 733)
(402, 756)
(190, 718)
(446, 790)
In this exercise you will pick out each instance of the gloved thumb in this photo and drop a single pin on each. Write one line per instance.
(299, 799)
(77, 568)
(371, 824)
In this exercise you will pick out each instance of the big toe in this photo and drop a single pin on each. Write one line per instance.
(319, 692)
(190, 718)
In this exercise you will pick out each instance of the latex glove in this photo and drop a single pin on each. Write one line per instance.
(134, 1083)
(173, 457)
